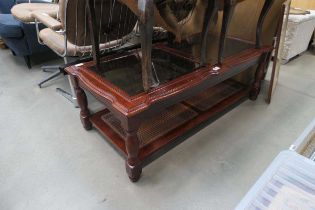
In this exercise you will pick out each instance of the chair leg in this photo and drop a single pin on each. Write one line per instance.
(54, 75)
(48, 68)
(27, 61)
(74, 96)
(65, 94)
(71, 96)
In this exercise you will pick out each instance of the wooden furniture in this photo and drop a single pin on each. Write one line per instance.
(146, 117)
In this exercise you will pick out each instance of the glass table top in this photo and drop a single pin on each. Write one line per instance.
(125, 71)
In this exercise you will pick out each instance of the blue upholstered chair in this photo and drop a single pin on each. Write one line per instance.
(5, 6)
(20, 37)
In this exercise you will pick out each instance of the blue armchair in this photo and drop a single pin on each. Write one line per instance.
(19, 37)
(5, 6)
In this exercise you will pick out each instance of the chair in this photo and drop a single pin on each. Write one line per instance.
(69, 35)
(23, 9)
(20, 35)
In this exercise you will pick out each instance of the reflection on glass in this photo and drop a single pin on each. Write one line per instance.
(125, 72)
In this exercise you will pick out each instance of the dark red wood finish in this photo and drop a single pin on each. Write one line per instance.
(132, 111)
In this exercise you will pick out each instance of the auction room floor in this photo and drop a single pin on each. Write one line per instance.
(49, 162)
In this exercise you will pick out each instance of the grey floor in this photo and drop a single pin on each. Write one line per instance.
(49, 162)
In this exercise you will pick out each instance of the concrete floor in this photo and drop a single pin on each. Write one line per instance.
(48, 161)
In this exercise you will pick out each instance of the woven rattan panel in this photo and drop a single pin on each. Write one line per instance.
(214, 95)
(154, 128)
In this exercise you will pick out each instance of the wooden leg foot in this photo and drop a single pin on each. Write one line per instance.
(86, 122)
(133, 164)
(134, 172)
(253, 94)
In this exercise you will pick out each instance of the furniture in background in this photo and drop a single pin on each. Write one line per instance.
(305, 5)
(18, 35)
(5, 6)
(299, 34)
(143, 120)
(23, 10)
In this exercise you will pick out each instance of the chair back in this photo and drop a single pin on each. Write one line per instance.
(114, 22)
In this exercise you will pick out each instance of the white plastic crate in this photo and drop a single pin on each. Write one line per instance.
(288, 184)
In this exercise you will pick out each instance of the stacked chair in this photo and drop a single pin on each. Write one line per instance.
(23, 11)
(18, 29)
(68, 35)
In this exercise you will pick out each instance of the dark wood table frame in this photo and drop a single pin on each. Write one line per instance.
(132, 110)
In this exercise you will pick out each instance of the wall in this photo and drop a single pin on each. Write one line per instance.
(303, 4)
(247, 14)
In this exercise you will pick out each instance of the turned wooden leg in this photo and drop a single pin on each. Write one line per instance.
(133, 165)
(259, 76)
(210, 13)
(83, 104)
(85, 112)
(229, 7)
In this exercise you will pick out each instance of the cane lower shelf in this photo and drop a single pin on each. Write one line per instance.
(157, 132)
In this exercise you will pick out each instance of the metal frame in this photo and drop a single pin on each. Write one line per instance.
(70, 96)
(119, 42)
